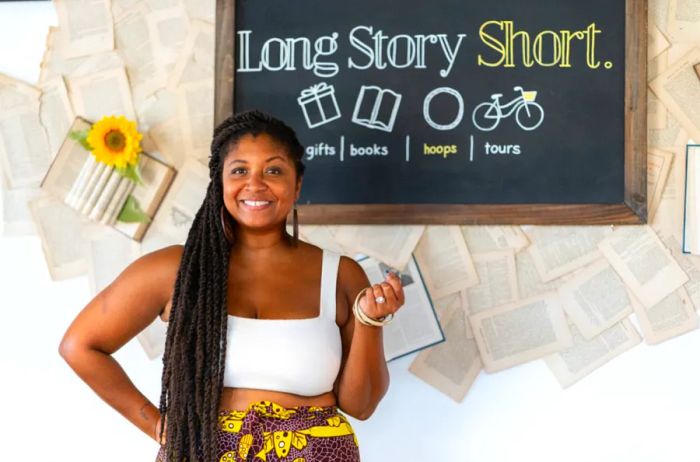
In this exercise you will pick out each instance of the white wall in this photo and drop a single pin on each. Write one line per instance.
(643, 406)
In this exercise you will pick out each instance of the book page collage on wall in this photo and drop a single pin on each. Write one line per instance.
(479, 298)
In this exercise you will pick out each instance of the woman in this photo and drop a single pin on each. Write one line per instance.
(269, 337)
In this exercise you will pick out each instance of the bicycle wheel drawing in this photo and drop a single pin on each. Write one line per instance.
(529, 116)
(486, 117)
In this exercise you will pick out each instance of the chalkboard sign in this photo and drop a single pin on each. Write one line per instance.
(449, 111)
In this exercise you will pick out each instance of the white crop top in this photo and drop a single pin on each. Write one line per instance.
(300, 356)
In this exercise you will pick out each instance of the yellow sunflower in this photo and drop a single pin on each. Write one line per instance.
(115, 141)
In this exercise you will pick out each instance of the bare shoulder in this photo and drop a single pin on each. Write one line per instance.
(160, 265)
(166, 259)
(351, 277)
(155, 272)
(164, 263)
(152, 276)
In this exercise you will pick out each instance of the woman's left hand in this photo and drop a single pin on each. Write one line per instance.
(391, 290)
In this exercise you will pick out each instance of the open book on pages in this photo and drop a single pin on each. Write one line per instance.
(415, 326)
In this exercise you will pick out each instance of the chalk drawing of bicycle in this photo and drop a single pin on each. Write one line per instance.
(528, 114)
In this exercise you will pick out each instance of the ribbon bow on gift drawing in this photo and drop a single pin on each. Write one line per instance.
(315, 90)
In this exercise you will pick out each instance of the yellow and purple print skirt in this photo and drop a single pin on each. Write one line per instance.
(269, 432)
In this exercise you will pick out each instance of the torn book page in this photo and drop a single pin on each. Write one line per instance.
(659, 15)
(643, 263)
(444, 261)
(529, 281)
(459, 300)
(24, 150)
(585, 356)
(196, 114)
(324, 237)
(56, 112)
(196, 60)
(595, 298)
(657, 114)
(168, 139)
(393, 245)
(483, 239)
(670, 317)
(657, 65)
(60, 229)
(658, 168)
(15, 219)
(558, 250)
(108, 254)
(55, 64)
(87, 25)
(183, 200)
(668, 214)
(679, 89)
(102, 93)
(451, 366)
(134, 42)
(669, 138)
(197, 9)
(657, 42)
(498, 281)
(684, 20)
(16, 94)
(690, 265)
(159, 107)
(169, 28)
(520, 331)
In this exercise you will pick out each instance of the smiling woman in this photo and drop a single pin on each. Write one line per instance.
(263, 349)
(260, 177)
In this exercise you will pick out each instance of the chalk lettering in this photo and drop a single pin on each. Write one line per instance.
(401, 51)
(490, 148)
(374, 150)
(533, 50)
(440, 150)
(280, 54)
(319, 149)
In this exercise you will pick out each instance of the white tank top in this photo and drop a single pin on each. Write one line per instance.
(300, 356)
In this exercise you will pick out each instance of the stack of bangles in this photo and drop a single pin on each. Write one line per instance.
(362, 316)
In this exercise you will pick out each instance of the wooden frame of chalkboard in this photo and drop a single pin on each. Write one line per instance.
(632, 210)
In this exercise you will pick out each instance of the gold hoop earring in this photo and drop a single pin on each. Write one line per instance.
(228, 233)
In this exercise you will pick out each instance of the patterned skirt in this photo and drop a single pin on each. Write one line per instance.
(267, 431)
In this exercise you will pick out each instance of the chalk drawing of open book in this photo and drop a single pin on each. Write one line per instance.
(376, 108)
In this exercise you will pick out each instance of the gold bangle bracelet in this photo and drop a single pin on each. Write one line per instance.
(366, 319)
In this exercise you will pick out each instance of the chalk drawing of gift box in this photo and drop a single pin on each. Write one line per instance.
(319, 104)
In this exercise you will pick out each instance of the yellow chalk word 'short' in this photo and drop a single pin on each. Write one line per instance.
(503, 39)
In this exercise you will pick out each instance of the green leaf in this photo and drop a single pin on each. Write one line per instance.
(131, 171)
(81, 137)
(131, 212)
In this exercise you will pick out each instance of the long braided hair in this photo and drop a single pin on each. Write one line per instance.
(195, 347)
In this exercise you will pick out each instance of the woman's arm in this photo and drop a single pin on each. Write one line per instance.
(118, 313)
(364, 378)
